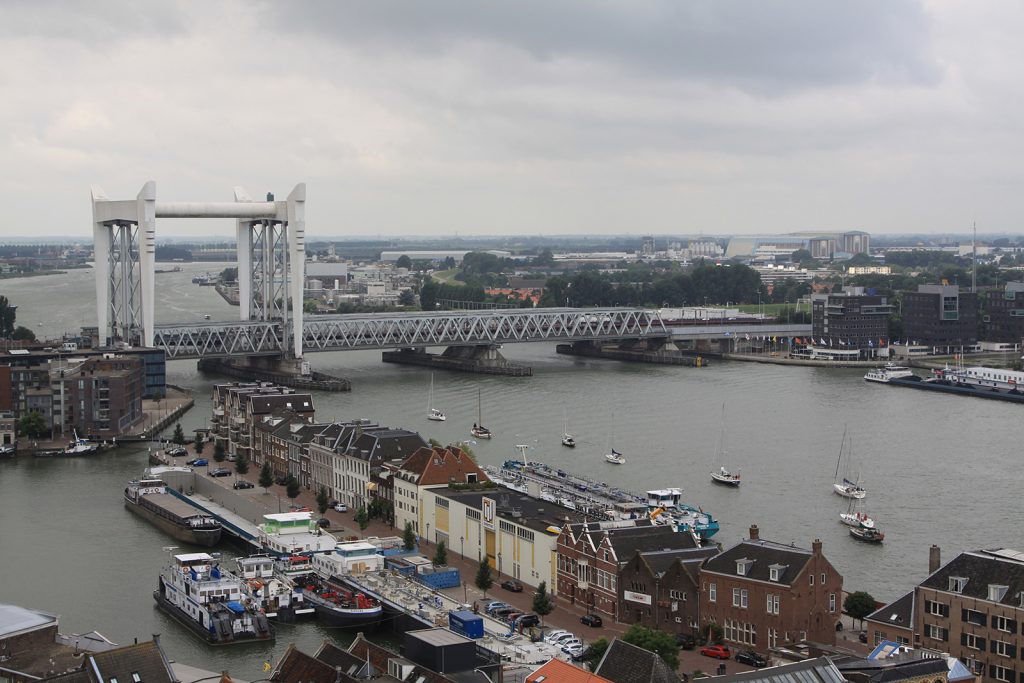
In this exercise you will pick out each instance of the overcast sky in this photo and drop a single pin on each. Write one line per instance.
(528, 117)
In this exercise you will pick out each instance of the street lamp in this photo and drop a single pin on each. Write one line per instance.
(462, 546)
(499, 564)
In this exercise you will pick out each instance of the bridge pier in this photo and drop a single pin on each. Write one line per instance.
(285, 371)
(657, 350)
(480, 359)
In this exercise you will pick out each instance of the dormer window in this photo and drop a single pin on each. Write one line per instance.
(957, 584)
(996, 593)
(743, 566)
(776, 571)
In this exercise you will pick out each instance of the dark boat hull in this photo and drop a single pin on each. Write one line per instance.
(206, 538)
(959, 389)
(197, 629)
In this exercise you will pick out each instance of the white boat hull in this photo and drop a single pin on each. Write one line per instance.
(847, 492)
(615, 459)
(855, 520)
(727, 479)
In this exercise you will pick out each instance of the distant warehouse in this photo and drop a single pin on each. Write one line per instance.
(438, 255)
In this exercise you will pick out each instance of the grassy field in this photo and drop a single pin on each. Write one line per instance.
(769, 309)
(446, 277)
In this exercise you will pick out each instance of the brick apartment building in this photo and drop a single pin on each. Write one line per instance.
(973, 608)
(764, 594)
(592, 554)
(940, 316)
(661, 589)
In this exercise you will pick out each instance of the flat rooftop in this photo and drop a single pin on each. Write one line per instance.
(533, 513)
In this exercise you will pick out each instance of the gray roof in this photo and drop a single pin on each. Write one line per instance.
(819, 670)
(763, 555)
(898, 613)
(14, 619)
(889, 669)
(261, 405)
(626, 663)
(983, 568)
(533, 513)
(660, 561)
(628, 540)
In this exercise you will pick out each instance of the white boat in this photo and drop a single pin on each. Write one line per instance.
(432, 412)
(846, 487)
(209, 601)
(80, 446)
(889, 372)
(567, 439)
(478, 430)
(981, 376)
(615, 458)
(855, 516)
(724, 476)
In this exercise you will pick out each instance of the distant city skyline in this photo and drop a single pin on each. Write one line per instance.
(571, 118)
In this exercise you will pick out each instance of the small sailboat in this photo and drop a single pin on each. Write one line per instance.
(432, 412)
(724, 476)
(614, 457)
(856, 517)
(845, 487)
(478, 430)
(567, 439)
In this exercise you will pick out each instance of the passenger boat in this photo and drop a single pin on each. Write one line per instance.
(337, 605)
(209, 601)
(149, 499)
(80, 446)
(867, 535)
(290, 533)
(887, 373)
(983, 377)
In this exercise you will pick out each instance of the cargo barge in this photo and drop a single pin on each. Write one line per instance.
(148, 498)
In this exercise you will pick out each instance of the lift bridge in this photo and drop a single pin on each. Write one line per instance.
(271, 264)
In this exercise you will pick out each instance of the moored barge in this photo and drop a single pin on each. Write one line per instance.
(149, 499)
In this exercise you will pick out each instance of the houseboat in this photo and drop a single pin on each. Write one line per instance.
(284, 534)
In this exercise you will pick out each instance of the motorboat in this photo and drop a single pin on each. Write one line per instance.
(615, 458)
(889, 372)
(867, 535)
(724, 476)
(80, 446)
(568, 441)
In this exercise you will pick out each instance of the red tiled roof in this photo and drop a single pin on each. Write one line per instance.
(557, 671)
(442, 466)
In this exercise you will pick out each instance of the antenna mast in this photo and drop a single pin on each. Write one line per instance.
(974, 259)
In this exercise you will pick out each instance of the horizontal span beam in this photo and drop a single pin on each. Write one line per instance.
(216, 209)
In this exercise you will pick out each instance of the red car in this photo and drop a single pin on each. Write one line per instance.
(716, 651)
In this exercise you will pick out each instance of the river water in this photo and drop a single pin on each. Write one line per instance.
(939, 469)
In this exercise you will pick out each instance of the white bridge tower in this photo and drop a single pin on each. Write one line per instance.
(271, 261)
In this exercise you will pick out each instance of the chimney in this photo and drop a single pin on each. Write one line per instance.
(816, 546)
(934, 559)
(754, 534)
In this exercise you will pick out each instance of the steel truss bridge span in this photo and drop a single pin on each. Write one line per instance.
(411, 330)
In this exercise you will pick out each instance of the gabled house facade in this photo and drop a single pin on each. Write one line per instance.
(764, 594)
(661, 589)
(427, 468)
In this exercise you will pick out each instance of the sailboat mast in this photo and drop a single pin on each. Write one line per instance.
(839, 460)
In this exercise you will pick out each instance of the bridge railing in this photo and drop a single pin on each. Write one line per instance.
(205, 340)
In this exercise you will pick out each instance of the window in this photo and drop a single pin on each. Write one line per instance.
(712, 592)
(936, 632)
(735, 597)
(972, 641)
(773, 573)
(957, 584)
(772, 604)
(878, 637)
(677, 595)
(743, 598)
(832, 602)
(936, 608)
(1001, 673)
(811, 578)
(973, 616)
(823, 578)
(1003, 649)
(1004, 624)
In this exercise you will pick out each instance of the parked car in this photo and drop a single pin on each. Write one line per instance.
(232, 458)
(512, 616)
(528, 620)
(685, 641)
(220, 472)
(590, 620)
(198, 462)
(242, 484)
(574, 651)
(340, 507)
(551, 635)
(716, 651)
(176, 451)
(862, 636)
(512, 585)
(281, 481)
(562, 639)
(502, 611)
(298, 508)
(496, 605)
(752, 658)
(572, 644)
(323, 522)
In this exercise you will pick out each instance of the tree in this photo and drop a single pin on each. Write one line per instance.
(441, 556)
(8, 314)
(266, 476)
(434, 443)
(542, 601)
(218, 452)
(179, 435)
(292, 488)
(484, 577)
(408, 537)
(23, 334)
(661, 643)
(595, 652)
(858, 605)
(407, 298)
(199, 444)
(404, 262)
(229, 275)
(242, 464)
(32, 425)
(361, 518)
(322, 500)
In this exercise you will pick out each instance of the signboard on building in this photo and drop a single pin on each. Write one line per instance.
(487, 513)
(637, 597)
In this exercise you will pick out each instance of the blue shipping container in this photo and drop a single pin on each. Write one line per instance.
(466, 624)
